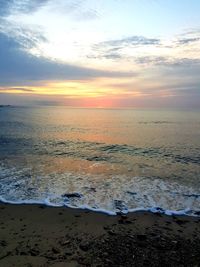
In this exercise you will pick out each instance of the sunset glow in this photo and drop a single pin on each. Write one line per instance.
(107, 53)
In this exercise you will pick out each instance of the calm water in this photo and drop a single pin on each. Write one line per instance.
(112, 160)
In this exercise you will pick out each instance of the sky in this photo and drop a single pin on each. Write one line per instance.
(100, 53)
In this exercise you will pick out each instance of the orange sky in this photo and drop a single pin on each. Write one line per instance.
(100, 53)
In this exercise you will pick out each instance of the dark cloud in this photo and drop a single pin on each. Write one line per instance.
(167, 61)
(185, 62)
(132, 40)
(18, 66)
(5, 6)
(25, 37)
(113, 49)
(188, 38)
(21, 89)
(186, 41)
(29, 6)
(77, 9)
(25, 99)
(113, 56)
(155, 60)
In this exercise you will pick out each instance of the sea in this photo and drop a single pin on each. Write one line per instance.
(107, 160)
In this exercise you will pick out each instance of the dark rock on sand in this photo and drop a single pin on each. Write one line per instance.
(85, 246)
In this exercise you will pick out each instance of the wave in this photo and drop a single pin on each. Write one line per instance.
(46, 202)
(97, 192)
(97, 151)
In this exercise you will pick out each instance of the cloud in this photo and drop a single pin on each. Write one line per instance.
(24, 37)
(135, 40)
(153, 60)
(106, 55)
(14, 89)
(182, 49)
(113, 49)
(88, 14)
(8, 7)
(25, 99)
(77, 9)
(132, 40)
(166, 67)
(186, 41)
(18, 66)
(188, 38)
(167, 61)
(151, 100)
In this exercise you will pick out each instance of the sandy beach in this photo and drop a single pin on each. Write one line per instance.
(34, 235)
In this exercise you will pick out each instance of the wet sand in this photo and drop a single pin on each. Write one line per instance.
(33, 235)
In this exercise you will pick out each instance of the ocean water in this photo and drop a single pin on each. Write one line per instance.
(108, 160)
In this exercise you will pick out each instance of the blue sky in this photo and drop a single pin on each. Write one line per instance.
(134, 53)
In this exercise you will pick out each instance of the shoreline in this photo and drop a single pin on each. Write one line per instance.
(154, 210)
(39, 235)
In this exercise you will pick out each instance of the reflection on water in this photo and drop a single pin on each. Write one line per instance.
(115, 159)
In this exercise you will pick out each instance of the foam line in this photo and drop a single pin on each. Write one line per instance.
(46, 202)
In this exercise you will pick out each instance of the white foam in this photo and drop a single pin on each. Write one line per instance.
(46, 202)
(111, 195)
